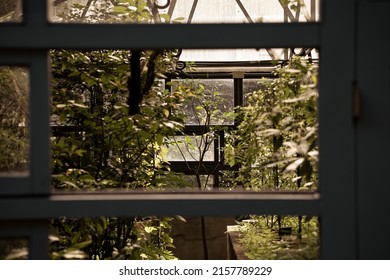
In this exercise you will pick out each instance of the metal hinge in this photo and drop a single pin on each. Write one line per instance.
(356, 99)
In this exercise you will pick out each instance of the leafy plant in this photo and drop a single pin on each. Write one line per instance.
(14, 119)
(262, 239)
(13, 249)
(112, 238)
(275, 143)
(98, 145)
(275, 146)
(140, 11)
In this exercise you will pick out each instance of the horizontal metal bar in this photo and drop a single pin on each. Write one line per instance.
(16, 184)
(161, 204)
(220, 73)
(189, 129)
(17, 229)
(222, 64)
(13, 58)
(159, 36)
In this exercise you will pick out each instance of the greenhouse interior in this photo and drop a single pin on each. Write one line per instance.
(194, 129)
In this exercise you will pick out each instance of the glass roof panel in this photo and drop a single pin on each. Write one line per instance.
(241, 11)
(228, 11)
(183, 11)
(243, 55)
(232, 55)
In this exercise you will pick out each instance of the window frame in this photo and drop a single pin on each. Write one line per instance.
(31, 199)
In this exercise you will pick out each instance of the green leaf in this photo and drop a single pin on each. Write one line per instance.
(169, 124)
(159, 139)
(188, 139)
(199, 108)
(74, 254)
(150, 229)
(293, 166)
(270, 132)
(79, 152)
(17, 254)
(120, 9)
(71, 184)
(166, 17)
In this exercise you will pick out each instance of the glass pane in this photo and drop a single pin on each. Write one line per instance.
(239, 55)
(11, 11)
(253, 85)
(259, 56)
(172, 11)
(210, 101)
(13, 249)
(14, 121)
(191, 148)
(269, 144)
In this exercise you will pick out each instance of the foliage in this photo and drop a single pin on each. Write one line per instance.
(275, 142)
(97, 145)
(123, 152)
(106, 147)
(275, 147)
(108, 11)
(112, 11)
(13, 249)
(89, 96)
(112, 238)
(14, 117)
(262, 241)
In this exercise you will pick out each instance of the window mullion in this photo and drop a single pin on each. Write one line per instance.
(336, 129)
(35, 13)
(160, 204)
(39, 127)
